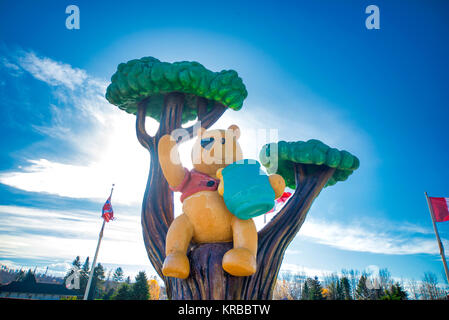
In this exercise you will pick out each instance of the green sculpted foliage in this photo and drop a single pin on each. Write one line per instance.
(141, 78)
(310, 152)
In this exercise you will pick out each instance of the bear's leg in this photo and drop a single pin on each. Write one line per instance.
(178, 239)
(241, 260)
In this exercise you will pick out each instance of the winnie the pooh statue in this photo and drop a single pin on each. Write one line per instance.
(205, 217)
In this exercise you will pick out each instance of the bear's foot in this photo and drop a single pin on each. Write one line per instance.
(239, 262)
(176, 265)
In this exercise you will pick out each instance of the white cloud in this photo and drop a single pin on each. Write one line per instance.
(13, 69)
(292, 252)
(66, 234)
(413, 228)
(103, 137)
(308, 272)
(6, 63)
(367, 238)
(52, 72)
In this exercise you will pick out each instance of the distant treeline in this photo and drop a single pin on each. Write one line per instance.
(115, 286)
(106, 284)
(356, 285)
(7, 275)
(348, 285)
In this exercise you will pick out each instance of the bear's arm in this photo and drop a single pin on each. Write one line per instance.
(169, 160)
(278, 184)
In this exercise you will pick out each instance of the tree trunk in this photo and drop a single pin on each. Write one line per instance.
(157, 206)
(207, 279)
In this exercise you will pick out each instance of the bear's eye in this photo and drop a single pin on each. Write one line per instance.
(207, 143)
(223, 140)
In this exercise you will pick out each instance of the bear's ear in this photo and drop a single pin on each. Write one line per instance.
(235, 130)
(200, 131)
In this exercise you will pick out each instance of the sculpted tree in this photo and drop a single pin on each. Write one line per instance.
(176, 93)
(307, 167)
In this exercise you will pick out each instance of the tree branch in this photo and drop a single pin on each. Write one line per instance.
(144, 138)
(282, 229)
(201, 107)
(318, 178)
(157, 206)
(206, 119)
(171, 116)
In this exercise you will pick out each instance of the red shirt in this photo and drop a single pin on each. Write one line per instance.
(195, 181)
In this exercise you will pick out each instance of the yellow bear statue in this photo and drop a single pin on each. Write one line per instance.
(205, 218)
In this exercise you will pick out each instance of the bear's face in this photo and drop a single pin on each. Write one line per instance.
(216, 149)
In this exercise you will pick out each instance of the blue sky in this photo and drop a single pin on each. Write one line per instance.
(312, 70)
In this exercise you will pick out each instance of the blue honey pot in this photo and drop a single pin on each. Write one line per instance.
(247, 190)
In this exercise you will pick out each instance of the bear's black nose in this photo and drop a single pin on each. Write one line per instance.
(207, 143)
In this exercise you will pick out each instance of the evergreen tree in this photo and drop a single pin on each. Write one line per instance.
(118, 275)
(353, 278)
(346, 288)
(315, 291)
(86, 266)
(77, 262)
(340, 293)
(362, 292)
(97, 279)
(140, 289)
(84, 275)
(123, 293)
(28, 277)
(305, 291)
(395, 293)
(108, 294)
(128, 280)
(20, 275)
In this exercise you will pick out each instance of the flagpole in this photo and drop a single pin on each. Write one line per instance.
(440, 244)
(86, 293)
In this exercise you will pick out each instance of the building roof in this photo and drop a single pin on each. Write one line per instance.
(30, 285)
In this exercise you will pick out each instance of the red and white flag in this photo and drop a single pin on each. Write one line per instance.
(440, 208)
(107, 213)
